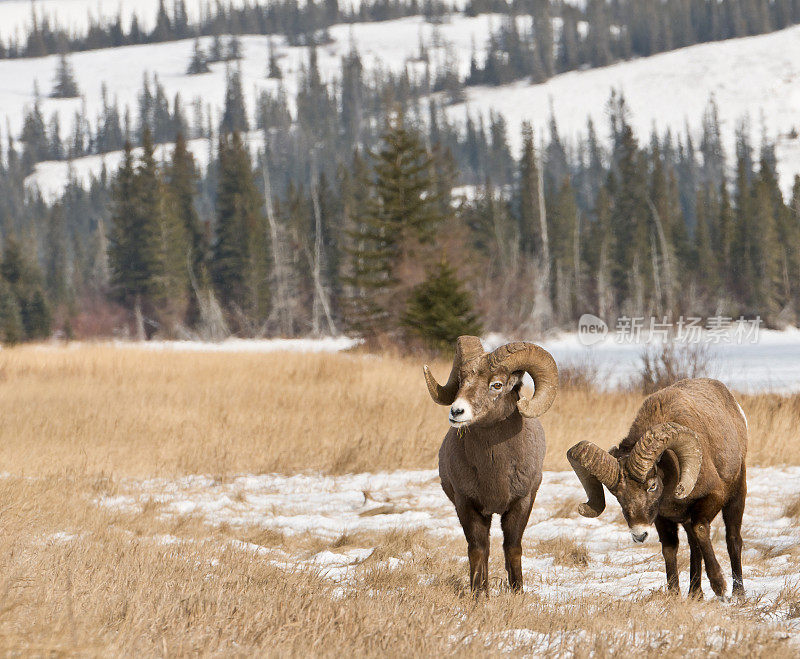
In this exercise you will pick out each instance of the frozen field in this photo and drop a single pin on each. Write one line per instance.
(565, 557)
(770, 364)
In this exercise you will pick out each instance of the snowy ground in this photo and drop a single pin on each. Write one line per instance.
(336, 506)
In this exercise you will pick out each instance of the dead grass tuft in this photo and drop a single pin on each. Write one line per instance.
(564, 550)
(792, 509)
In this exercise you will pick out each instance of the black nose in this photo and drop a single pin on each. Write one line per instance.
(641, 537)
(456, 411)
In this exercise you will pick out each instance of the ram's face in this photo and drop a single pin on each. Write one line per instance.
(639, 502)
(484, 396)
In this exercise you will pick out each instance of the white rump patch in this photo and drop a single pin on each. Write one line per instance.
(741, 411)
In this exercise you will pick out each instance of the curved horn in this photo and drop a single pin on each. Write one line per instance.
(647, 451)
(595, 468)
(467, 348)
(542, 368)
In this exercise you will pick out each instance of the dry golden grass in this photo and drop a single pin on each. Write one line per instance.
(112, 591)
(76, 421)
(127, 412)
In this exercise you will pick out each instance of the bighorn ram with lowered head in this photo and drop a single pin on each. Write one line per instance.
(682, 462)
(490, 461)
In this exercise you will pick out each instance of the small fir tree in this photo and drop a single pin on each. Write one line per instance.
(439, 310)
(65, 85)
(274, 70)
(199, 63)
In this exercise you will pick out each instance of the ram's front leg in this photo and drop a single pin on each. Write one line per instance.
(513, 522)
(668, 536)
(476, 530)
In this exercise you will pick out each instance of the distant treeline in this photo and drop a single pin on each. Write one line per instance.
(343, 217)
(301, 24)
(536, 40)
(601, 32)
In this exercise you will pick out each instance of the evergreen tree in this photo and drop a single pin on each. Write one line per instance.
(240, 256)
(182, 188)
(393, 224)
(234, 118)
(628, 190)
(533, 234)
(439, 310)
(163, 27)
(11, 331)
(34, 137)
(369, 273)
(199, 63)
(26, 314)
(274, 68)
(405, 186)
(65, 84)
(37, 320)
(134, 238)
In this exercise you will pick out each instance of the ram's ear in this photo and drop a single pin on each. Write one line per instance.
(516, 379)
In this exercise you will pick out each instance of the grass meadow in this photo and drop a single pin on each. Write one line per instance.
(79, 424)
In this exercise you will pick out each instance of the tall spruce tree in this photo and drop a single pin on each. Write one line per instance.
(134, 242)
(240, 256)
(234, 117)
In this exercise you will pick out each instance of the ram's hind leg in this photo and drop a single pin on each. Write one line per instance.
(513, 522)
(702, 531)
(732, 513)
(476, 530)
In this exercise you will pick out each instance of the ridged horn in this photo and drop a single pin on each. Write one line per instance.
(467, 348)
(539, 364)
(594, 468)
(682, 441)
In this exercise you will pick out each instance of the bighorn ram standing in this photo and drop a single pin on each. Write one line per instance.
(490, 461)
(682, 462)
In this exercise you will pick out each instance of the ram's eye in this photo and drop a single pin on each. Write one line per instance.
(653, 486)
(497, 386)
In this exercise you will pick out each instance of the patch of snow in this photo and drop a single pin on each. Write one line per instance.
(328, 506)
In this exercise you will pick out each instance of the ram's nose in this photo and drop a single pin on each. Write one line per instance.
(460, 412)
(638, 533)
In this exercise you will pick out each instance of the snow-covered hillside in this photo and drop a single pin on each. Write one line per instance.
(76, 15)
(754, 76)
(757, 77)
